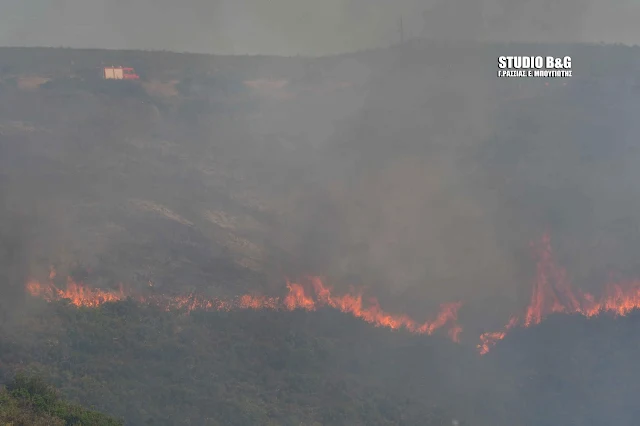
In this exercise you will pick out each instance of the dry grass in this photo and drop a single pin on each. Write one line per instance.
(252, 254)
(16, 127)
(276, 89)
(160, 88)
(221, 219)
(150, 206)
(31, 82)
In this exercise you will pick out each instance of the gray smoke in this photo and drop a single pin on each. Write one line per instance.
(14, 254)
(387, 183)
(403, 207)
(305, 27)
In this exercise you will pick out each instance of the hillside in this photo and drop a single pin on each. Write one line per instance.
(240, 169)
(30, 401)
(413, 174)
(251, 367)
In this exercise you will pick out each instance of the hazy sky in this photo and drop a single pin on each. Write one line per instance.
(312, 27)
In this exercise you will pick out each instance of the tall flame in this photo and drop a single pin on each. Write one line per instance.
(552, 293)
(296, 298)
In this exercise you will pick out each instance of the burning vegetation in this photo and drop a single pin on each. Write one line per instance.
(299, 297)
(552, 293)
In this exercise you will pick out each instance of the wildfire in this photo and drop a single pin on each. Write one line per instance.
(373, 314)
(78, 294)
(552, 293)
(487, 340)
(296, 298)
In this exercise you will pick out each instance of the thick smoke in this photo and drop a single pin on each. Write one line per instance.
(396, 188)
(404, 206)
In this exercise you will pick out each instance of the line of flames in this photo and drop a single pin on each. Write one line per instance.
(552, 293)
(296, 298)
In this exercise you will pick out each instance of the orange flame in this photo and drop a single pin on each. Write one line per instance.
(296, 298)
(373, 314)
(552, 293)
(488, 340)
(77, 294)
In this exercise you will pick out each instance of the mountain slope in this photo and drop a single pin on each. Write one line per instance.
(30, 401)
(412, 171)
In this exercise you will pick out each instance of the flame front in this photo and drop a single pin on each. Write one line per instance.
(296, 298)
(552, 293)
(77, 294)
(373, 314)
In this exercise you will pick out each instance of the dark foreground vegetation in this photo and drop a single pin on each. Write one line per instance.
(30, 401)
(322, 368)
(238, 368)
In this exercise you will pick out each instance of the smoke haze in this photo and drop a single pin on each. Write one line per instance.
(289, 27)
(414, 178)
(410, 170)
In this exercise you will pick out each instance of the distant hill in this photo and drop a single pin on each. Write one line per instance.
(58, 62)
